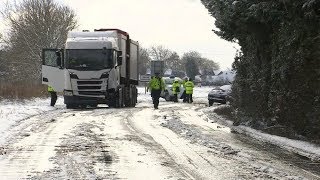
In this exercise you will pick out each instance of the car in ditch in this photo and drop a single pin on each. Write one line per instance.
(219, 94)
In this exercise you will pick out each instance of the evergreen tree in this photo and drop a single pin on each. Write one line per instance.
(190, 60)
(278, 69)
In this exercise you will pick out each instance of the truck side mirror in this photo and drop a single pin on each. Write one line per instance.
(119, 58)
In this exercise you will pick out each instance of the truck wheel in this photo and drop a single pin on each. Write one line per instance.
(120, 99)
(112, 104)
(134, 96)
(127, 100)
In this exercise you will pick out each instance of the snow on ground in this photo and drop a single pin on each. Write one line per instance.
(12, 112)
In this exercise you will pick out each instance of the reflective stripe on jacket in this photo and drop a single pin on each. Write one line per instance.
(50, 89)
(189, 87)
(156, 83)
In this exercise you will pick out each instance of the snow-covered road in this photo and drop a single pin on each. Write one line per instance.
(177, 141)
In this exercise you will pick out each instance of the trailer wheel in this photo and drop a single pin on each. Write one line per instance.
(134, 96)
(120, 99)
(127, 100)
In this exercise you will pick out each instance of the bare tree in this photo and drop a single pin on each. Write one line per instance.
(159, 53)
(144, 61)
(194, 63)
(207, 66)
(174, 62)
(35, 25)
(1, 39)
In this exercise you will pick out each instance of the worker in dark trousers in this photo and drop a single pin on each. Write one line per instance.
(54, 96)
(184, 95)
(156, 85)
(189, 90)
(175, 90)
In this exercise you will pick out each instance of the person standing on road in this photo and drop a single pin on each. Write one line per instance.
(175, 90)
(189, 90)
(156, 85)
(184, 95)
(54, 96)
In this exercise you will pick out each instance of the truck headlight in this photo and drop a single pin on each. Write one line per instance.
(73, 76)
(104, 75)
(67, 93)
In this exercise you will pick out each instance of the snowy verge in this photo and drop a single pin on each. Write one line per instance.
(13, 111)
(303, 148)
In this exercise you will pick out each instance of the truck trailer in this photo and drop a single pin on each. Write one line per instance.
(99, 67)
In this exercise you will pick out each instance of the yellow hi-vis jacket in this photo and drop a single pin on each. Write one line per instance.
(50, 89)
(156, 83)
(189, 87)
(175, 87)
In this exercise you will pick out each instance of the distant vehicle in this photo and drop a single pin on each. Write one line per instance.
(99, 67)
(168, 92)
(219, 94)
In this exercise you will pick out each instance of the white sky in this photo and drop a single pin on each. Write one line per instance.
(180, 25)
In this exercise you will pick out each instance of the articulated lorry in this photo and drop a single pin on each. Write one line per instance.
(99, 67)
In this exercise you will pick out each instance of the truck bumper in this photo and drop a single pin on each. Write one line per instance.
(83, 100)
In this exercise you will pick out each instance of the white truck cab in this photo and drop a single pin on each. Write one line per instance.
(94, 68)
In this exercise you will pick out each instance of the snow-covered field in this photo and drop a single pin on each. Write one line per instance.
(13, 113)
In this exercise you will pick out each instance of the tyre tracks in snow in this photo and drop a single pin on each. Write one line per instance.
(248, 153)
(174, 142)
(189, 158)
(46, 147)
(164, 158)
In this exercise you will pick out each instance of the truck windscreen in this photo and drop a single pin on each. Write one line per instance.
(89, 59)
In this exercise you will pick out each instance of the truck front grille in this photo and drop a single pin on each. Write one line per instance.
(91, 93)
(90, 87)
(88, 82)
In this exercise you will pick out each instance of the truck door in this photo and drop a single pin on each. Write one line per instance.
(52, 69)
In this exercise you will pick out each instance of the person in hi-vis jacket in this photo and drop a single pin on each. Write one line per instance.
(156, 85)
(54, 96)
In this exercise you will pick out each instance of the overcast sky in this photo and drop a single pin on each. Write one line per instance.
(180, 25)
